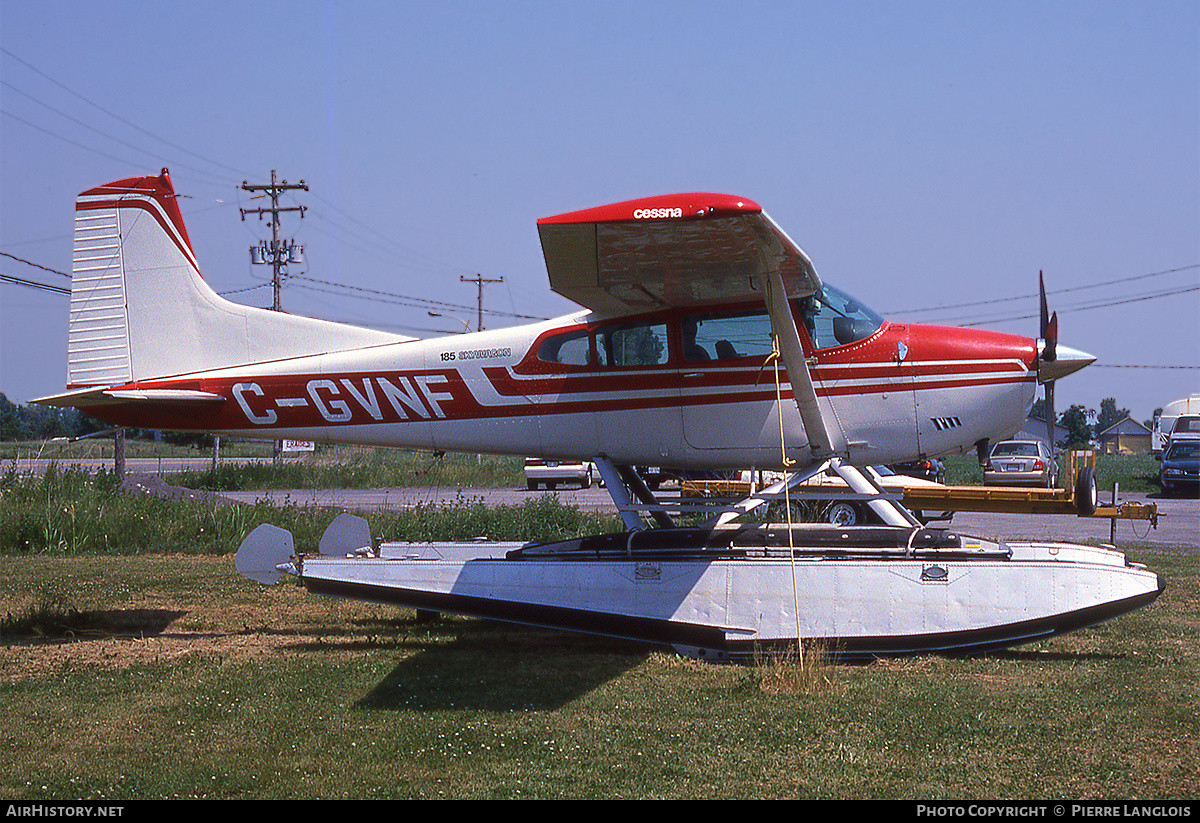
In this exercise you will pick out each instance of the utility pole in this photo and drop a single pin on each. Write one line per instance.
(479, 280)
(280, 252)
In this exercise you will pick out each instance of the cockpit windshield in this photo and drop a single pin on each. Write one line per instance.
(834, 318)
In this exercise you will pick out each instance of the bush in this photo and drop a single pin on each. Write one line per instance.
(75, 512)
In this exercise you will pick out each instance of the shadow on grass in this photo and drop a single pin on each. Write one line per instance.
(49, 622)
(1056, 656)
(488, 666)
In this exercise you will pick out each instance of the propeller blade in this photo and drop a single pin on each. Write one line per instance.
(1048, 329)
(1049, 334)
(1045, 310)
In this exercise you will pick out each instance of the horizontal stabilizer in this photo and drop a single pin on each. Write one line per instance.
(104, 397)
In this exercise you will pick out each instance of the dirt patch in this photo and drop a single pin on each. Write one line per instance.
(43, 658)
(154, 485)
(154, 610)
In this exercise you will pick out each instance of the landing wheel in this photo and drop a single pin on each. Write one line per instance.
(1086, 495)
(842, 513)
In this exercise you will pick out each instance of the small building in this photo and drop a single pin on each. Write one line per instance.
(1035, 429)
(1126, 437)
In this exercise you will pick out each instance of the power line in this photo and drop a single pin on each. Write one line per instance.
(392, 245)
(993, 301)
(35, 265)
(33, 284)
(1089, 307)
(408, 300)
(1135, 366)
(114, 115)
(89, 127)
(74, 143)
(242, 291)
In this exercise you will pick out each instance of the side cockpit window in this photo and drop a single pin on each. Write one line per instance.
(834, 318)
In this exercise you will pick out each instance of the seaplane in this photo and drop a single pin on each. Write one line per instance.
(705, 340)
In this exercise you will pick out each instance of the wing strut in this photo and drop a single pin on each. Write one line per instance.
(822, 443)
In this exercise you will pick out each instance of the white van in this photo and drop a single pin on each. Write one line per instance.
(1182, 416)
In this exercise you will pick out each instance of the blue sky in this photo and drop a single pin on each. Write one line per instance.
(931, 157)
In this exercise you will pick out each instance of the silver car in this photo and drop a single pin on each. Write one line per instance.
(1021, 463)
(550, 473)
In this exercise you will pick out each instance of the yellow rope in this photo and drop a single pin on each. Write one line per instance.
(773, 358)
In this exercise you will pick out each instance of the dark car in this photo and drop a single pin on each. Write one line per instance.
(1181, 466)
(933, 470)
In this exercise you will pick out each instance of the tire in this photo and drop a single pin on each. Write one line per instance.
(531, 485)
(1087, 497)
(843, 513)
(586, 483)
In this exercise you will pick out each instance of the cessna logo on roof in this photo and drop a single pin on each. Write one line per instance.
(649, 214)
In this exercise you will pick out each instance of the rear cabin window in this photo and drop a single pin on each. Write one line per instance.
(726, 336)
(632, 344)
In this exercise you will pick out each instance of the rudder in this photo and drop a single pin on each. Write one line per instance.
(140, 308)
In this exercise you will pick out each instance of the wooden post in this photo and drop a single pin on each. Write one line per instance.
(119, 454)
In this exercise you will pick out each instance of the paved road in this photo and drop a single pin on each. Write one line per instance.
(1178, 523)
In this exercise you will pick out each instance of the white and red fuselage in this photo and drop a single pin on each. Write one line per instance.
(689, 384)
(490, 392)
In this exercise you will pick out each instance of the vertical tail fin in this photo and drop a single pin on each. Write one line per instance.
(140, 309)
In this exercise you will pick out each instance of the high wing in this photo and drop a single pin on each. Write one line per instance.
(670, 251)
(690, 249)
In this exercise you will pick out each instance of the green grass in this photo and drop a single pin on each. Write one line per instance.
(232, 690)
(72, 511)
(368, 467)
(1136, 473)
(135, 663)
(362, 468)
(101, 448)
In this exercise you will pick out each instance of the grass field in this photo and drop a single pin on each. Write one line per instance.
(367, 467)
(128, 677)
